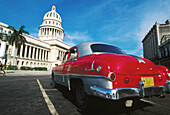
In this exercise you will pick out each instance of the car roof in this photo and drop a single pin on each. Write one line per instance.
(85, 48)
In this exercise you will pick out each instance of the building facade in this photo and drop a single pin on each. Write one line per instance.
(156, 44)
(45, 51)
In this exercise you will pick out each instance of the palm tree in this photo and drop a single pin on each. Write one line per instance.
(16, 38)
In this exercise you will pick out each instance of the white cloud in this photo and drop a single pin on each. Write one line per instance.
(34, 34)
(76, 37)
(113, 39)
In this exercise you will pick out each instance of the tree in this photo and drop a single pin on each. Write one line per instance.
(16, 38)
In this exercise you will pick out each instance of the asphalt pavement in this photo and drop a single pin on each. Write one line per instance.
(26, 93)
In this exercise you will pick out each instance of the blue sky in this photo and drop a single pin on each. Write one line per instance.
(122, 23)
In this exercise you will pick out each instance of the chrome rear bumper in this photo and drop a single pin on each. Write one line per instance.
(141, 91)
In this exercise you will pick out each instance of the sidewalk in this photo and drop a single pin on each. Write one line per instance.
(25, 73)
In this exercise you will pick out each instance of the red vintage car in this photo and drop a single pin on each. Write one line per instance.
(106, 71)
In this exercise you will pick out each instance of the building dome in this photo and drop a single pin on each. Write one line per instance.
(52, 15)
(51, 27)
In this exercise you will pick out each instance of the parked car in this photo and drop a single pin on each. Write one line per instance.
(106, 71)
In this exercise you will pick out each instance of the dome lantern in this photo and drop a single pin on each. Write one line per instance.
(53, 8)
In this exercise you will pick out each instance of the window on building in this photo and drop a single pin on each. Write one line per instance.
(166, 51)
(1, 30)
(22, 63)
(9, 32)
(17, 62)
(58, 58)
(26, 63)
(18, 52)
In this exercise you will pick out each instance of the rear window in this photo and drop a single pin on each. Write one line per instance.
(106, 48)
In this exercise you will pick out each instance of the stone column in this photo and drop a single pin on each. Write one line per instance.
(37, 54)
(43, 31)
(45, 55)
(40, 55)
(25, 51)
(33, 53)
(21, 50)
(50, 31)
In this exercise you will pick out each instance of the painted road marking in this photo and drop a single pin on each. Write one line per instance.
(149, 102)
(47, 100)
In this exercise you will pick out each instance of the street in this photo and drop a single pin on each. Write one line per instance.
(33, 95)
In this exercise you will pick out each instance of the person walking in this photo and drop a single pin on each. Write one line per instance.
(1, 67)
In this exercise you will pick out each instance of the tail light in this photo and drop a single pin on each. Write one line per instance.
(126, 80)
(112, 76)
(160, 78)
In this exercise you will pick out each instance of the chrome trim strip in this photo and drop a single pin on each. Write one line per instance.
(119, 93)
(92, 69)
(109, 75)
(85, 75)
(139, 59)
(73, 59)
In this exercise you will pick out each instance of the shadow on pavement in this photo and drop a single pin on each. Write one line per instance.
(104, 107)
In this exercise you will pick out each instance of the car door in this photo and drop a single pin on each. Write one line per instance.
(72, 58)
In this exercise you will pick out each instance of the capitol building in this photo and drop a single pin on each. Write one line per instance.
(45, 51)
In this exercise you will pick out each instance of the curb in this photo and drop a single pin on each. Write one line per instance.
(25, 73)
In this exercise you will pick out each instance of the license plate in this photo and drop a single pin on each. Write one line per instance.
(148, 81)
